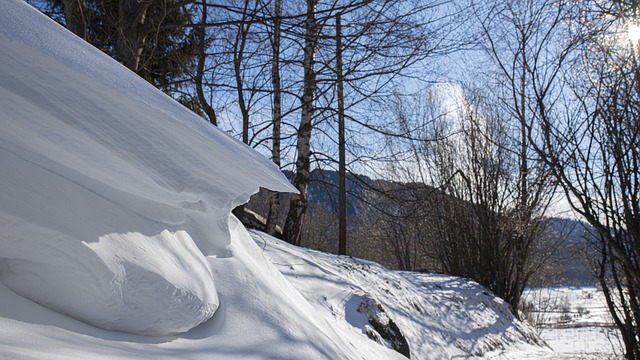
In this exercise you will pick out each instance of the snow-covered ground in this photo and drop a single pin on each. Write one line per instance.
(116, 238)
(441, 316)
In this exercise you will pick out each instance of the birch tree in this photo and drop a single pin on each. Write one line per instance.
(298, 204)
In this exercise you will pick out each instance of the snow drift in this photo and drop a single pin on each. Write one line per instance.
(112, 194)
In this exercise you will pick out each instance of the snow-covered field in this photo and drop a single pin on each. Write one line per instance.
(117, 242)
(574, 321)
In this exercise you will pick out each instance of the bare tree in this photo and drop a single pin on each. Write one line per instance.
(472, 209)
(298, 204)
(377, 48)
(594, 151)
(274, 201)
(203, 44)
(518, 37)
(588, 135)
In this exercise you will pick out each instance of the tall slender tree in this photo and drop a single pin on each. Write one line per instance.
(203, 45)
(525, 42)
(274, 201)
(298, 204)
(342, 231)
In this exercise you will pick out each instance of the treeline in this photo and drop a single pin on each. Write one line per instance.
(491, 109)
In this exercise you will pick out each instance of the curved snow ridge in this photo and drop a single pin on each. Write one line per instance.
(161, 284)
(149, 285)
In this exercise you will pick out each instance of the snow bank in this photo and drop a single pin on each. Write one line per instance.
(111, 194)
(439, 316)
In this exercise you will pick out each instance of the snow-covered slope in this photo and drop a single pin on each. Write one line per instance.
(116, 239)
(441, 317)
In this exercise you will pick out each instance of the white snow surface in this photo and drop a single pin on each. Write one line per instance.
(442, 317)
(575, 322)
(112, 195)
(116, 239)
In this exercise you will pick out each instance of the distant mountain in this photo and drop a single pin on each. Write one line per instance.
(324, 191)
(569, 265)
(572, 265)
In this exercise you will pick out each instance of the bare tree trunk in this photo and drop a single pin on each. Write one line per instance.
(523, 217)
(298, 205)
(74, 17)
(132, 32)
(274, 201)
(202, 57)
(238, 56)
(342, 228)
